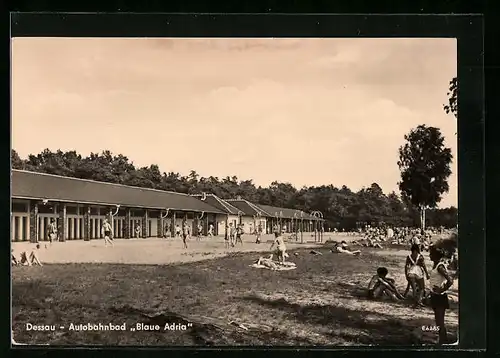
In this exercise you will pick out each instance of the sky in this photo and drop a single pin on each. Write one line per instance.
(302, 111)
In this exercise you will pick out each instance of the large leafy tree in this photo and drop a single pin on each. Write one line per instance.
(424, 162)
(452, 105)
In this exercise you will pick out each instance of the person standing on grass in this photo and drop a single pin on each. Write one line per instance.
(280, 247)
(210, 230)
(107, 233)
(52, 231)
(267, 262)
(258, 233)
(177, 231)
(415, 271)
(440, 281)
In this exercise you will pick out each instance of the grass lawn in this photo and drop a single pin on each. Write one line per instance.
(319, 303)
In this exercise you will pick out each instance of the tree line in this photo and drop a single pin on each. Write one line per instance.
(341, 206)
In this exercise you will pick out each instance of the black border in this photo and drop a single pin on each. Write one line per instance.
(468, 29)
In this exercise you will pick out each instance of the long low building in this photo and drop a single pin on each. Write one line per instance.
(79, 206)
(291, 220)
(251, 216)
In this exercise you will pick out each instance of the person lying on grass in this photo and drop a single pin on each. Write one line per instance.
(267, 262)
(372, 243)
(415, 271)
(382, 286)
(280, 249)
(343, 249)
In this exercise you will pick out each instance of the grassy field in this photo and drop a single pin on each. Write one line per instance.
(319, 303)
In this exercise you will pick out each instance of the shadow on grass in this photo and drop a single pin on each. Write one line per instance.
(205, 333)
(355, 291)
(35, 297)
(354, 326)
(351, 291)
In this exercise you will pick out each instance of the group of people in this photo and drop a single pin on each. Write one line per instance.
(376, 236)
(185, 228)
(416, 273)
(233, 235)
(26, 260)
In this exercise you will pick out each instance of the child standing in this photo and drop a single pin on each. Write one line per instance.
(280, 249)
(440, 282)
(415, 271)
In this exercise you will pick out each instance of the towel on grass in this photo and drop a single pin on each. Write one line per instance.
(279, 267)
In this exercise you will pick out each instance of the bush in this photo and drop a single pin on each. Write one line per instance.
(448, 245)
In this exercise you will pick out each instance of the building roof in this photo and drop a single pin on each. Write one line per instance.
(32, 185)
(248, 208)
(218, 203)
(286, 213)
